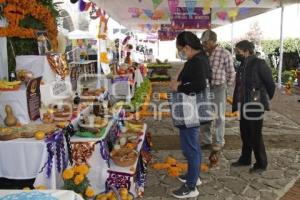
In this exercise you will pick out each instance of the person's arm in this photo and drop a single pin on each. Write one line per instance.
(197, 74)
(265, 74)
(229, 69)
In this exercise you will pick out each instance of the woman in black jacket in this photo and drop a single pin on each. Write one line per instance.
(254, 88)
(191, 80)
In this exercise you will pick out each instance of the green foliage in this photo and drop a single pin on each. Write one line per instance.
(18, 46)
(289, 75)
(140, 94)
(272, 46)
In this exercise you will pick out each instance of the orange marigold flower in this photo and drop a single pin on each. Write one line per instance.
(82, 169)
(89, 192)
(78, 179)
(68, 174)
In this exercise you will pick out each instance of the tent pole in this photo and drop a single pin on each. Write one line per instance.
(232, 42)
(157, 48)
(281, 48)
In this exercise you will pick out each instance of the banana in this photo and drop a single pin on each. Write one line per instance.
(9, 85)
(133, 127)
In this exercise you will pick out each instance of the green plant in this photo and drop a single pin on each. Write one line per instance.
(289, 76)
(140, 94)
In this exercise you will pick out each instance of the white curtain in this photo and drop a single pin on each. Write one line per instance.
(3, 54)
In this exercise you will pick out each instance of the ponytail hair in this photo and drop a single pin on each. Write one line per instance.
(190, 39)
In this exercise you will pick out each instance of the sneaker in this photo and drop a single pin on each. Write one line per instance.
(183, 180)
(185, 192)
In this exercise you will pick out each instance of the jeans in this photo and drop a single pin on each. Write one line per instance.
(220, 101)
(190, 146)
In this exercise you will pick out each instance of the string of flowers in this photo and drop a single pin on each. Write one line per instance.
(17, 10)
(55, 147)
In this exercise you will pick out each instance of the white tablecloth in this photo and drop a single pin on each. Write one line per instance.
(59, 194)
(18, 101)
(24, 159)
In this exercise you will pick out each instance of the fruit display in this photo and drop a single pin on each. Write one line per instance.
(132, 126)
(27, 131)
(9, 86)
(110, 195)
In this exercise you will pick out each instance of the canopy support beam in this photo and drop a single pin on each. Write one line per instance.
(281, 48)
(232, 42)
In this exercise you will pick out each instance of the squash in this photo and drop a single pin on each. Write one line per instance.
(10, 119)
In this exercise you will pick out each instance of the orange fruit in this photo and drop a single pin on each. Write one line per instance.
(39, 135)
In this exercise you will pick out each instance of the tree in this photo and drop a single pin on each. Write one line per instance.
(254, 34)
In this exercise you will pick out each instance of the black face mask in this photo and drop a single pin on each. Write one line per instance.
(240, 58)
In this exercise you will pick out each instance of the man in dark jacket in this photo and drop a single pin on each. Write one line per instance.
(254, 88)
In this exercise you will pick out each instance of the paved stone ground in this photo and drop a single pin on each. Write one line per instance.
(282, 136)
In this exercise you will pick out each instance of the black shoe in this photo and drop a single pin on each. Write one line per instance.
(239, 164)
(185, 192)
(257, 170)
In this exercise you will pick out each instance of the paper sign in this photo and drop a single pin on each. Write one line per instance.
(182, 20)
(33, 94)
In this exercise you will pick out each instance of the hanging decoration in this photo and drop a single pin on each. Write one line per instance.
(17, 10)
(156, 3)
(158, 14)
(244, 11)
(222, 15)
(82, 5)
(239, 2)
(223, 3)
(148, 13)
(181, 19)
(207, 6)
(134, 12)
(103, 27)
(173, 4)
(257, 1)
(88, 5)
(95, 12)
(232, 14)
(56, 151)
(190, 5)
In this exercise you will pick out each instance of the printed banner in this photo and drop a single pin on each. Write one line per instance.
(181, 19)
(167, 33)
(33, 94)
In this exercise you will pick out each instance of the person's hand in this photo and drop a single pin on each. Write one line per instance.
(174, 85)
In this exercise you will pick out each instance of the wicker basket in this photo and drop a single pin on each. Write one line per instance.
(124, 157)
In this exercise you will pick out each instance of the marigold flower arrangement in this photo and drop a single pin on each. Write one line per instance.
(75, 179)
(17, 10)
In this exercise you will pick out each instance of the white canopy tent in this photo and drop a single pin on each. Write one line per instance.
(119, 11)
(78, 34)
